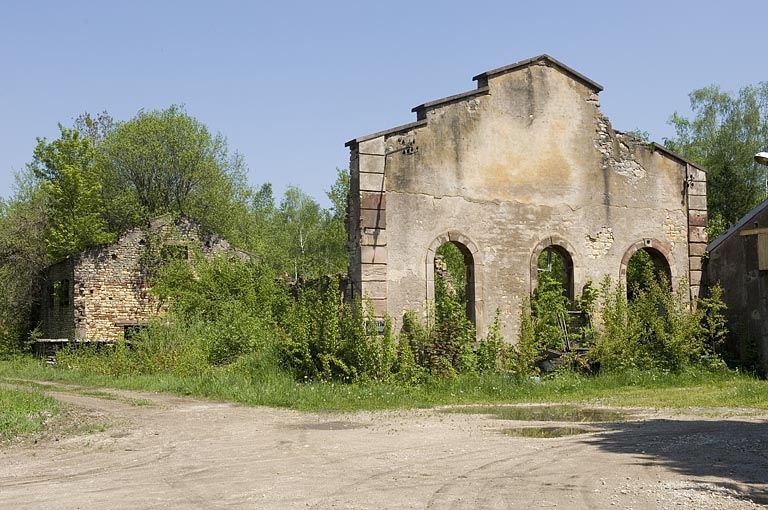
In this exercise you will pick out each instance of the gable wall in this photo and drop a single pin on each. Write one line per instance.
(530, 163)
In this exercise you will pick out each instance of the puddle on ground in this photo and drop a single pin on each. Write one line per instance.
(545, 432)
(544, 413)
(330, 425)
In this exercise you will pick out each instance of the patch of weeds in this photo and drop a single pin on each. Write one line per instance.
(86, 392)
(544, 413)
(74, 421)
(90, 393)
(24, 412)
(330, 425)
(138, 402)
(545, 432)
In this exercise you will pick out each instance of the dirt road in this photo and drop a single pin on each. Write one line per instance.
(161, 451)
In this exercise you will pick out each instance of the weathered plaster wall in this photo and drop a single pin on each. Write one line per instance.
(525, 161)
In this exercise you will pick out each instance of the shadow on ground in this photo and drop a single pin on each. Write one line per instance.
(736, 451)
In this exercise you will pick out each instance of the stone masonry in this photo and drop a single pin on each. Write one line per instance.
(103, 292)
(524, 163)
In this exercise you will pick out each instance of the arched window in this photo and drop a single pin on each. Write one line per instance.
(454, 277)
(454, 254)
(555, 262)
(645, 266)
(552, 258)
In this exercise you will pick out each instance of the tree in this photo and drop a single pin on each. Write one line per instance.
(335, 219)
(300, 218)
(165, 161)
(72, 190)
(298, 237)
(723, 136)
(339, 195)
(94, 128)
(23, 223)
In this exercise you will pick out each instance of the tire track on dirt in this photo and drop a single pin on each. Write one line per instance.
(179, 452)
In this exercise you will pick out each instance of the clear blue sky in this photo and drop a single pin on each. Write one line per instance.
(289, 82)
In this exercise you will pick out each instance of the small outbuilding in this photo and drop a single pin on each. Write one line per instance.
(102, 294)
(738, 261)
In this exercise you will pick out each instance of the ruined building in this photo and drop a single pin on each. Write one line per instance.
(103, 294)
(738, 261)
(524, 164)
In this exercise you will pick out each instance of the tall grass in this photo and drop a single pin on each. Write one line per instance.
(267, 385)
(24, 412)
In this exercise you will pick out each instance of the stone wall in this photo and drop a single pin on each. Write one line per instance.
(525, 162)
(109, 286)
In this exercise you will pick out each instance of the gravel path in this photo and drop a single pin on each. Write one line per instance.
(162, 451)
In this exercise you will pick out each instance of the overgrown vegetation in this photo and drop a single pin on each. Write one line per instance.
(24, 412)
(236, 315)
(657, 329)
(277, 332)
(725, 132)
(101, 177)
(689, 388)
(240, 316)
(235, 331)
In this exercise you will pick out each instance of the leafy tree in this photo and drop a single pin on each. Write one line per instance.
(95, 128)
(100, 178)
(298, 237)
(338, 195)
(23, 224)
(165, 161)
(258, 230)
(723, 136)
(73, 193)
(334, 220)
(300, 218)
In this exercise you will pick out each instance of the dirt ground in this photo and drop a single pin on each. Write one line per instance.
(160, 451)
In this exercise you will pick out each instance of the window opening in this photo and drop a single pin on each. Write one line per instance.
(555, 264)
(454, 280)
(644, 267)
(61, 293)
(171, 252)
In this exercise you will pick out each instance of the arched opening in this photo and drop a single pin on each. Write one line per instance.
(559, 324)
(646, 266)
(555, 266)
(454, 279)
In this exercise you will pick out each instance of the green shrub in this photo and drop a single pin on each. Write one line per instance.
(322, 338)
(657, 329)
(528, 347)
(548, 305)
(408, 367)
(450, 346)
(491, 351)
